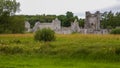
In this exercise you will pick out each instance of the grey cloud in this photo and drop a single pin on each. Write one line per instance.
(115, 8)
(118, 0)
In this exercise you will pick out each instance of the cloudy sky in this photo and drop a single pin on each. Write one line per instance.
(78, 7)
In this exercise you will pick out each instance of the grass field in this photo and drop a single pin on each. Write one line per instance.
(68, 51)
(40, 62)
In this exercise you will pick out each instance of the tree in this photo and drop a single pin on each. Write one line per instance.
(9, 7)
(69, 14)
(70, 18)
(110, 20)
(62, 18)
(81, 22)
(9, 23)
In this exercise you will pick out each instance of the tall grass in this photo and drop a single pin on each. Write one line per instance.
(93, 47)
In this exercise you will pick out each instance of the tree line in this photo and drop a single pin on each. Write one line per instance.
(65, 19)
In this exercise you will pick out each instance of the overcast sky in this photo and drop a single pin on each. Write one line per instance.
(33, 7)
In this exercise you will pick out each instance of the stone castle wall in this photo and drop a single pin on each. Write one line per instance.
(92, 25)
(54, 25)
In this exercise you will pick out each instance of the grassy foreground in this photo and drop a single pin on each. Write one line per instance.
(47, 62)
(68, 51)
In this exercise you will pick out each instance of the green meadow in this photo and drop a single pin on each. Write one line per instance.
(67, 51)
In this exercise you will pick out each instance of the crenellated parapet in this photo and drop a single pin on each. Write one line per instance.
(92, 21)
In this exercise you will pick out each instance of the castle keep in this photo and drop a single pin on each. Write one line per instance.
(91, 26)
(92, 21)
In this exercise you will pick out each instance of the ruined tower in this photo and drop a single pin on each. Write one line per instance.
(92, 21)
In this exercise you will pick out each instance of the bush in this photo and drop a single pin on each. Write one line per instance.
(115, 31)
(45, 34)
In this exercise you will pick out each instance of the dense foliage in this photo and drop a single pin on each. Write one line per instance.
(115, 31)
(9, 23)
(9, 7)
(17, 24)
(45, 34)
(110, 20)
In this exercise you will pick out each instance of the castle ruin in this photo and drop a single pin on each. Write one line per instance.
(91, 26)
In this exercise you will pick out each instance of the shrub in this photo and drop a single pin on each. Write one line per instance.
(115, 31)
(45, 34)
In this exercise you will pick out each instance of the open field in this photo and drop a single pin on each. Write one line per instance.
(68, 51)
(47, 62)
